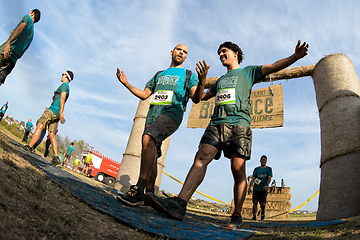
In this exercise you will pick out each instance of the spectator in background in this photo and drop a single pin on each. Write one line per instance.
(88, 160)
(47, 144)
(28, 127)
(273, 187)
(77, 161)
(68, 154)
(282, 185)
(3, 110)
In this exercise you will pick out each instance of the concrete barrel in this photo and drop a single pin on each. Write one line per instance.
(337, 94)
(129, 170)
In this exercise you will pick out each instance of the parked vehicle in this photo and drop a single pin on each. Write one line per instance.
(102, 168)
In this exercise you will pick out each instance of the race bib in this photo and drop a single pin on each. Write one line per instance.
(162, 97)
(225, 96)
(257, 181)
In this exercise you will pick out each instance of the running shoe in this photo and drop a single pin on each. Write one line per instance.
(235, 221)
(174, 208)
(133, 197)
(55, 160)
(27, 148)
(262, 215)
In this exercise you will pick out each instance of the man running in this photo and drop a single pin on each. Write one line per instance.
(229, 129)
(170, 91)
(261, 179)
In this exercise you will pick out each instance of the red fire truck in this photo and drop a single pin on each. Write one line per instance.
(102, 168)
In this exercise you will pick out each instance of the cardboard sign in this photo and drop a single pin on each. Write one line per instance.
(267, 110)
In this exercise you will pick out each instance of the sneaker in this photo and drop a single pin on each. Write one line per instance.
(27, 148)
(235, 221)
(254, 218)
(174, 208)
(55, 160)
(133, 197)
(262, 215)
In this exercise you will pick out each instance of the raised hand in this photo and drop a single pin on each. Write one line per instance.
(202, 70)
(301, 50)
(121, 76)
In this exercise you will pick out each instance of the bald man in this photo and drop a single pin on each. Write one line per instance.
(170, 90)
(28, 127)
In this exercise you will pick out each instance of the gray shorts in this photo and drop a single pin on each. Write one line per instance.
(6, 66)
(230, 139)
(161, 128)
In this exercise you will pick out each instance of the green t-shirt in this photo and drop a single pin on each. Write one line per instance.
(169, 94)
(232, 96)
(261, 177)
(77, 161)
(19, 45)
(55, 105)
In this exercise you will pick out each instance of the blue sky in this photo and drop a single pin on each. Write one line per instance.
(93, 38)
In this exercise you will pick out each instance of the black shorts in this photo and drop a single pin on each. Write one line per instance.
(161, 128)
(230, 139)
(67, 156)
(260, 196)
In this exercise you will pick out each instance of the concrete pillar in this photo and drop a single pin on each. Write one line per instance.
(338, 98)
(130, 165)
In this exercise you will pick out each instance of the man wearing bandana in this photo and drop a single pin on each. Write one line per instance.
(53, 115)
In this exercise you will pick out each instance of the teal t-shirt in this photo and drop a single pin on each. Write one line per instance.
(69, 150)
(261, 177)
(29, 126)
(19, 45)
(232, 96)
(169, 94)
(55, 105)
(4, 108)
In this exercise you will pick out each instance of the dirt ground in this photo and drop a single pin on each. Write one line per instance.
(33, 207)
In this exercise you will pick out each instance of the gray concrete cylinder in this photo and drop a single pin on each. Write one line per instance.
(129, 169)
(337, 94)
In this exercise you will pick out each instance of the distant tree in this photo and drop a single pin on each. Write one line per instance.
(79, 146)
(63, 143)
(22, 123)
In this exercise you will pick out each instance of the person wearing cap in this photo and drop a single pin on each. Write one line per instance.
(53, 115)
(18, 42)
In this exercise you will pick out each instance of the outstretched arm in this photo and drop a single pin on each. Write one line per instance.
(196, 93)
(142, 94)
(15, 35)
(300, 52)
